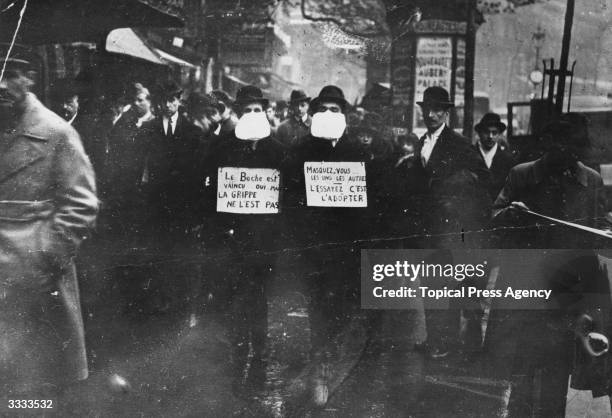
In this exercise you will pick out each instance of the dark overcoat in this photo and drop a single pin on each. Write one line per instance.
(456, 183)
(249, 232)
(502, 162)
(48, 204)
(320, 226)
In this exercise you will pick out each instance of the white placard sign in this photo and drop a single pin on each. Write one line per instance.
(336, 184)
(248, 190)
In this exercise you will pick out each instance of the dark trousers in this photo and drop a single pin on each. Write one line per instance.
(334, 293)
(541, 366)
(248, 309)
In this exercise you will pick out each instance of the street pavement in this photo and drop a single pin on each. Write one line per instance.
(160, 365)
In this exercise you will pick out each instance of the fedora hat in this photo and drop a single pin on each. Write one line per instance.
(436, 96)
(298, 96)
(250, 94)
(330, 94)
(490, 119)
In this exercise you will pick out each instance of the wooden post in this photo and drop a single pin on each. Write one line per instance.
(470, 59)
(567, 36)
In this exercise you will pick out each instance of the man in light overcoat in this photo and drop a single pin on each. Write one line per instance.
(48, 205)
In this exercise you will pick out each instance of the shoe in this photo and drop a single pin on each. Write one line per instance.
(437, 353)
(433, 352)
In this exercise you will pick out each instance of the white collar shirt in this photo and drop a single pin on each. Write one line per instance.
(71, 121)
(488, 155)
(429, 142)
(173, 119)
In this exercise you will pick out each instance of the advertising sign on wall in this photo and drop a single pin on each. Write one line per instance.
(434, 58)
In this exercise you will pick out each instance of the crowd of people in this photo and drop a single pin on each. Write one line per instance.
(157, 159)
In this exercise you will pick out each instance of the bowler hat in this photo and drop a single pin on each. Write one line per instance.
(298, 96)
(436, 96)
(490, 119)
(330, 94)
(250, 94)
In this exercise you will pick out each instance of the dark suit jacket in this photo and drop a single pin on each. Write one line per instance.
(326, 225)
(502, 162)
(456, 183)
(171, 168)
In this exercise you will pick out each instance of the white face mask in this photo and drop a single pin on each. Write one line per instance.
(328, 125)
(253, 126)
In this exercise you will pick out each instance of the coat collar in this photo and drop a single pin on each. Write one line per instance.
(31, 123)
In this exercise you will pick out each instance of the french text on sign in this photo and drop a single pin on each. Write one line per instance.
(336, 184)
(248, 190)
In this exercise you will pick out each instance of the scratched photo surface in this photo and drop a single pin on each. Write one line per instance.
(306, 208)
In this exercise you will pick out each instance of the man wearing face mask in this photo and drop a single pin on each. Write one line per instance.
(246, 239)
(329, 236)
(297, 126)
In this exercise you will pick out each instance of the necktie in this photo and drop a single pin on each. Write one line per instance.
(425, 150)
(169, 131)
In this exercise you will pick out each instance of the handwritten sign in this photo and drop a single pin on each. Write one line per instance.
(248, 190)
(336, 184)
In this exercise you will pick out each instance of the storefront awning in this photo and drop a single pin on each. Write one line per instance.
(172, 59)
(125, 41)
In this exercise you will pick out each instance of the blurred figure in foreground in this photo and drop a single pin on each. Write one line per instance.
(48, 206)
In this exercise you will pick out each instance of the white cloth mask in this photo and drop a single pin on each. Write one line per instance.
(328, 125)
(253, 126)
